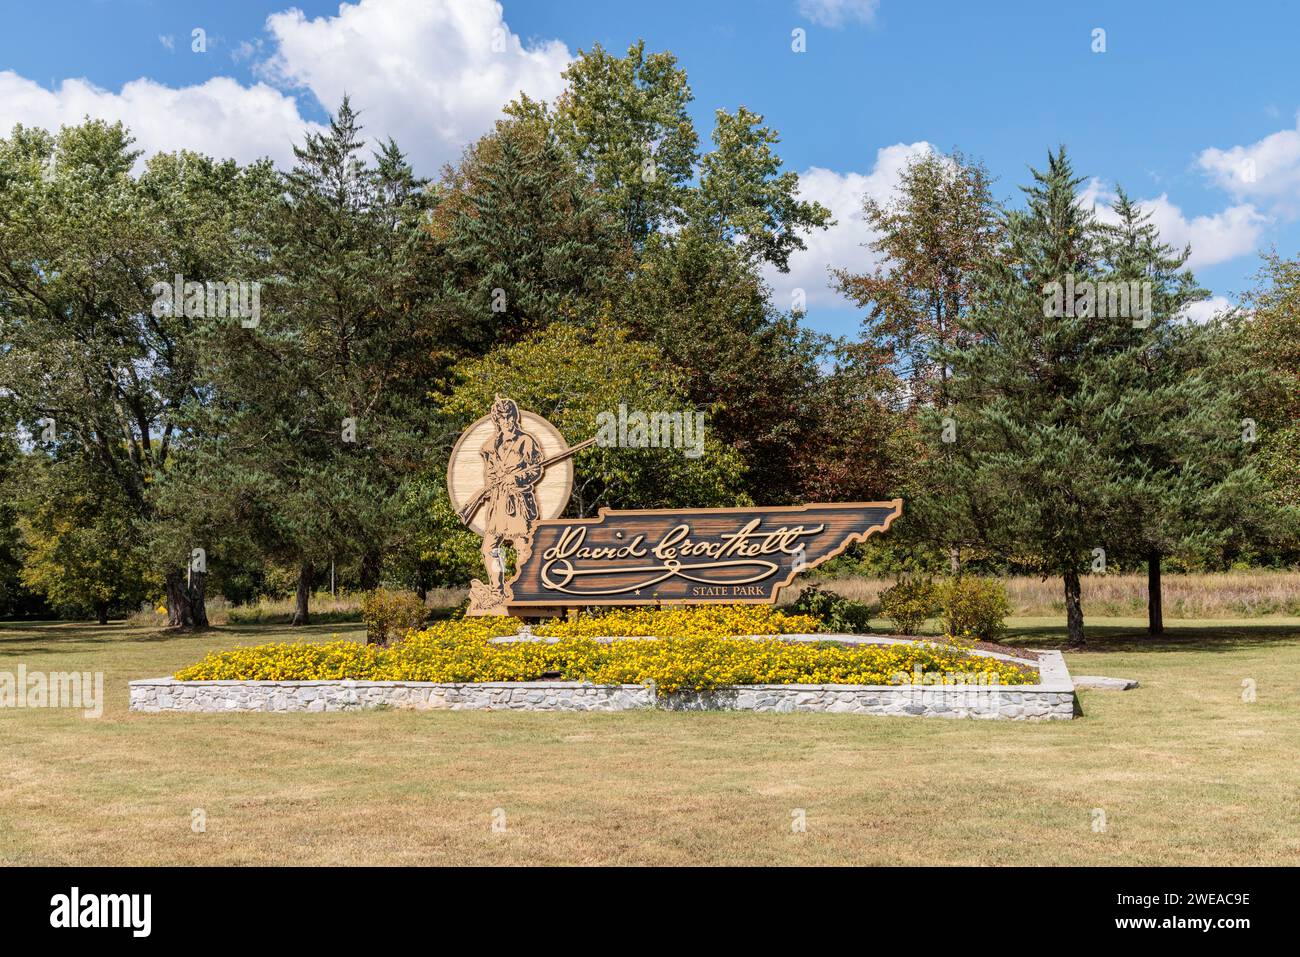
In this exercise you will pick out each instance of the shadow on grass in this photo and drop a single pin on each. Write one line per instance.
(1202, 636)
(83, 632)
(46, 637)
(63, 637)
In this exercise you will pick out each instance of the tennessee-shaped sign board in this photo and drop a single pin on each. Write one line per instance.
(729, 555)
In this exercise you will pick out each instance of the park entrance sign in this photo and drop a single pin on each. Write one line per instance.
(701, 555)
(509, 479)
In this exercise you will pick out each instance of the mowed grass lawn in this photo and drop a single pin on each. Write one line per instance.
(1185, 771)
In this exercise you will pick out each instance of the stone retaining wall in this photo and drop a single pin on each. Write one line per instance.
(1052, 698)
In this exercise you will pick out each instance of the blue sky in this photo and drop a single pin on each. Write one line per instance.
(1192, 107)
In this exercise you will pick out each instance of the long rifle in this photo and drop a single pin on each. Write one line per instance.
(472, 506)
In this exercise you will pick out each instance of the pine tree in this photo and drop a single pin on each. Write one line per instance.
(318, 414)
(1040, 396)
(526, 242)
(1192, 482)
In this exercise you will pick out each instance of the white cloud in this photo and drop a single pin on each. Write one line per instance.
(1214, 239)
(841, 246)
(1267, 170)
(220, 117)
(432, 74)
(836, 13)
(168, 41)
(1206, 309)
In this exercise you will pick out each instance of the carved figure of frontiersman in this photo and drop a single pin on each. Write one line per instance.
(511, 467)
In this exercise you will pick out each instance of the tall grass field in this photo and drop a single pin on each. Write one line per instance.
(1244, 594)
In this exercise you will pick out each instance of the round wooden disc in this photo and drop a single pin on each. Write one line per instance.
(465, 469)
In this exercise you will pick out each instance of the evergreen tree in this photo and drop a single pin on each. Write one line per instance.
(525, 240)
(317, 415)
(1193, 485)
(1041, 398)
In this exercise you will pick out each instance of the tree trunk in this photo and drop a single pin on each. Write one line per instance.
(954, 561)
(1155, 601)
(305, 574)
(371, 570)
(1074, 607)
(198, 599)
(101, 612)
(178, 600)
(186, 606)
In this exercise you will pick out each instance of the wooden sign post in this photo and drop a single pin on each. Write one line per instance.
(510, 477)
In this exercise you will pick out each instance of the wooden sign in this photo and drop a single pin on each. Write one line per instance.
(467, 471)
(510, 477)
(508, 471)
(728, 555)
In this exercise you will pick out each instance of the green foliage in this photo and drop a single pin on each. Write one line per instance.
(82, 244)
(525, 239)
(838, 615)
(744, 197)
(626, 121)
(941, 221)
(909, 603)
(1073, 429)
(1193, 487)
(389, 615)
(81, 551)
(312, 421)
(756, 371)
(974, 607)
(1266, 339)
(438, 551)
(583, 256)
(15, 598)
(571, 376)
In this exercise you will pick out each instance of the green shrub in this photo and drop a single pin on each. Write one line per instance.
(837, 614)
(391, 614)
(974, 607)
(909, 603)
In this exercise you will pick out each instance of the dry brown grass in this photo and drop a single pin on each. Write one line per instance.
(1186, 771)
(324, 607)
(1246, 594)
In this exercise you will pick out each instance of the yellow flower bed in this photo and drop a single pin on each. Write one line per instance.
(688, 621)
(711, 656)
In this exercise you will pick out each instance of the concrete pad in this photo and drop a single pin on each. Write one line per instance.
(1100, 683)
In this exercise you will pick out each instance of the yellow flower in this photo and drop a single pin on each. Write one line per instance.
(692, 647)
